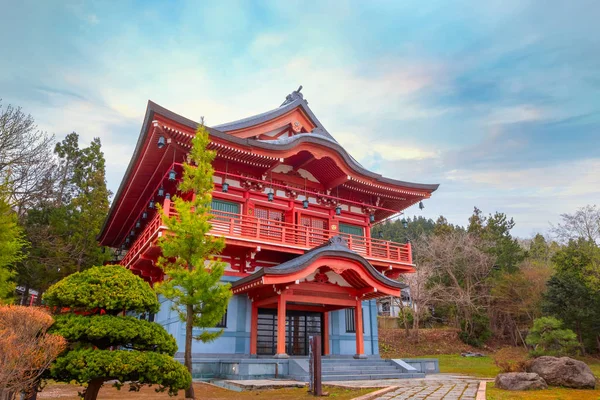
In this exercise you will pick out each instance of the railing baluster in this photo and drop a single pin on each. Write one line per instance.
(279, 232)
(307, 238)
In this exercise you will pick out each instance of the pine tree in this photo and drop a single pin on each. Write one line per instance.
(188, 253)
(82, 199)
(62, 226)
(94, 325)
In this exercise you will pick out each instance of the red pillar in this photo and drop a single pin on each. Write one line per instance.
(358, 323)
(281, 327)
(326, 333)
(253, 329)
(167, 207)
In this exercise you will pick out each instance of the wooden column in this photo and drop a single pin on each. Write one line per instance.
(358, 324)
(253, 329)
(281, 327)
(167, 207)
(325, 329)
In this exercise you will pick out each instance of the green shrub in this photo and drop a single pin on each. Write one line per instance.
(476, 331)
(548, 338)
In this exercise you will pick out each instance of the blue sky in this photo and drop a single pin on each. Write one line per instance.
(499, 101)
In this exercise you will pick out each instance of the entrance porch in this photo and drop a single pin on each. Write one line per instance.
(293, 300)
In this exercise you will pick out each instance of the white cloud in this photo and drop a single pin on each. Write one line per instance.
(570, 178)
(521, 113)
(394, 152)
(267, 42)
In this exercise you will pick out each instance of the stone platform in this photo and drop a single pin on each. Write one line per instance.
(297, 369)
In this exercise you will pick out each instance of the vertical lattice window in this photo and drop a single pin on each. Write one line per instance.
(350, 323)
(225, 206)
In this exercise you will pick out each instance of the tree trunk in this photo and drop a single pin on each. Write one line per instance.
(38, 299)
(33, 391)
(6, 394)
(416, 326)
(598, 342)
(580, 338)
(189, 392)
(405, 320)
(91, 393)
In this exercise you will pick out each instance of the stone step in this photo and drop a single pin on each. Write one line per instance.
(362, 372)
(355, 362)
(365, 368)
(356, 377)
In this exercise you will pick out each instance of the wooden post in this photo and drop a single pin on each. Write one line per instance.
(253, 329)
(166, 207)
(358, 325)
(409, 250)
(307, 238)
(281, 327)
(325, 330)
(315, 362)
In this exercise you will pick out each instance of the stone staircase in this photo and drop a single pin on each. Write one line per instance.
(353, 370)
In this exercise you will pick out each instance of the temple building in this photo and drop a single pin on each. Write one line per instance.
(295, 210)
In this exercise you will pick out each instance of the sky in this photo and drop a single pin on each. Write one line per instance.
(497, 101)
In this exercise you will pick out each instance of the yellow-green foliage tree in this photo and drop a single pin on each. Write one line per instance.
(188, 253)
(11, 246)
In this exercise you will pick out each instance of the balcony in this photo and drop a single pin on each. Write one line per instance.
(250, 231)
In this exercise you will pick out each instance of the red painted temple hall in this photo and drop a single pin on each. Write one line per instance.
(295, 210)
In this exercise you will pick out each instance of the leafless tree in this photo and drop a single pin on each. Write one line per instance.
(25, 157)
(421, 294)
(457, 270)
(583, 223)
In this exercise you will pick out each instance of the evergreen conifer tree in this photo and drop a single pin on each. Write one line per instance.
(188, 253)
(104, 344)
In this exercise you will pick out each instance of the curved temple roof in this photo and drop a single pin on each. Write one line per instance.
(319, 136)
(322, 138)
(334, 247)
(293, 100)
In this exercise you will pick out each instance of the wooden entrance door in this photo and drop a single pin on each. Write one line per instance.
(299, 326)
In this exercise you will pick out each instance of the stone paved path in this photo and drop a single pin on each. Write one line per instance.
(430, 388)
(446, 391)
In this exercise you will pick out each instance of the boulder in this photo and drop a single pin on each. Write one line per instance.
(471, 354)
(563, 371)
(520, 381)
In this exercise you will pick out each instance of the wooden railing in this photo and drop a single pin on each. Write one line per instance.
(148, 235)
(258, 230)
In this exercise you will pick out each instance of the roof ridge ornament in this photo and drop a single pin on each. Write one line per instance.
(338, 240)
(293, 96)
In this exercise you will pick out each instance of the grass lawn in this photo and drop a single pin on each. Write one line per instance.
(483, 367)
(203, 391)
(551, 394)
(594, 364)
